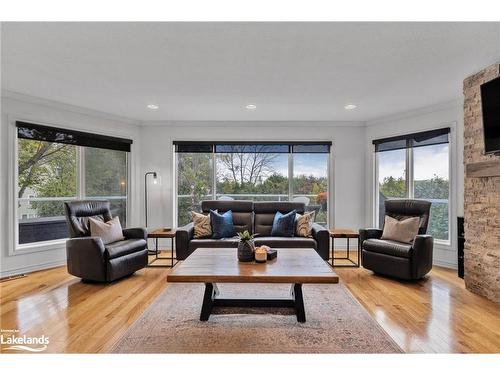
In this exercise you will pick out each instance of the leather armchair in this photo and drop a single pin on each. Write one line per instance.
(401, 260)
(88, 257)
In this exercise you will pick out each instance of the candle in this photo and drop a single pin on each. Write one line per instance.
(260, 255)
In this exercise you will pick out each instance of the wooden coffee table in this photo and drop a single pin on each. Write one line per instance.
(292, 266)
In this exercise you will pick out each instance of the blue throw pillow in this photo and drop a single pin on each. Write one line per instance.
(284, 225)
(222, 225)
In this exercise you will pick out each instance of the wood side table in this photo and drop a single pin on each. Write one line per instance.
(162, 233)
(348, 234)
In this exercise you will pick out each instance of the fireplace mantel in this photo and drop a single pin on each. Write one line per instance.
(488, 168)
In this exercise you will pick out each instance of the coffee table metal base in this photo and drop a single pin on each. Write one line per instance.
(210, 299)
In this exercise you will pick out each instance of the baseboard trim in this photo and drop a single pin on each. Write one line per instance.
(32, 268)
(445, 264)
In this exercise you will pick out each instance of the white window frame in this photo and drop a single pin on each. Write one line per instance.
(409, 183)
(15, 248)
(330, 178)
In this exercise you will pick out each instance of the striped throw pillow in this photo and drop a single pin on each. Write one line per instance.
(202, 227)
(303, 226)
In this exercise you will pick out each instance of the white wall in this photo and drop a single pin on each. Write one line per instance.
(352, 184)
(14, 106)
(444, 115)
(348, 155)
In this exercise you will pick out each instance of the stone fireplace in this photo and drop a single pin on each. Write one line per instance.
(481, 195)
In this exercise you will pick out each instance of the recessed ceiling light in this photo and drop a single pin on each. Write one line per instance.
(350, 107)
(251, 106)
(153, 107)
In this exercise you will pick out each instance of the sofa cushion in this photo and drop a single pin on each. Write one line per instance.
(294, 242)
(242, 212)
(403, 230)
(121, 248)
(284, 224)
(304, 223)
(211, 242)
(264, 214)
(110, 231)
(388, 247)
(201, 225)
(222, 225)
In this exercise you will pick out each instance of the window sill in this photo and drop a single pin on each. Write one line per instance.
(39, 247)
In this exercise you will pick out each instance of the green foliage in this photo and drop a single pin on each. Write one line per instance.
(393, 187)
(105, 172)
(434, 188)
(195, 181)
(48, 170)
(245, 236)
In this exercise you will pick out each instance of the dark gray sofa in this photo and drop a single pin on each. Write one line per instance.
(256, 217)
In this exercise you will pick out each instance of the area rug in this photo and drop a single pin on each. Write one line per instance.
(336, 323)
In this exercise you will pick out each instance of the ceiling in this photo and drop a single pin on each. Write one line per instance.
(211, 71)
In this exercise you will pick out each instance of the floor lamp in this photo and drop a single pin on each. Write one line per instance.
(155, 181)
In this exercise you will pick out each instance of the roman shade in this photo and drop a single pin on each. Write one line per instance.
(45, 133)
(431, 137)
(252, 147)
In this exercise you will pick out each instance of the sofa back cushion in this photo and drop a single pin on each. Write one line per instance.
(265, 211)
(242, 212)
(78, 213)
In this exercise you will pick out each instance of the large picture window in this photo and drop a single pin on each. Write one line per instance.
(57, 165)
(416, 166)
(252, 171)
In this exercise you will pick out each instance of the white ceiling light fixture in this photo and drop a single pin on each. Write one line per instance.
(153, 107)
(251, 106)
(350, 107)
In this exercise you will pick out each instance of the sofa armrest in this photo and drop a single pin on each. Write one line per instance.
(367, 233)
(85, 258)
(182, 238)
(322, 237)
(135, 233)
(421, 258)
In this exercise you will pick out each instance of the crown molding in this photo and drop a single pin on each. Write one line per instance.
(455, 103)
(257, 123)
(67, 107)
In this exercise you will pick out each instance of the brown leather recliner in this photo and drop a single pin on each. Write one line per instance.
(88, 257)
(402, 260)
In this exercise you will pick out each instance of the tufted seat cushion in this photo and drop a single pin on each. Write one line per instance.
(388, 247)
(212, 242)
(295, 242)
(121, 248)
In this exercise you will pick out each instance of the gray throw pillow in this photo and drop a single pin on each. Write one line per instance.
(109, 232)
(403, 230)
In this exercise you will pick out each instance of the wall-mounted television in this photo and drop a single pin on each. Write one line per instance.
(490, 99)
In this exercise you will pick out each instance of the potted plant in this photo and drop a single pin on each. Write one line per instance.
(246, 247)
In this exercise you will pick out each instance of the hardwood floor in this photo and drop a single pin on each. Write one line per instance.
(436, 314)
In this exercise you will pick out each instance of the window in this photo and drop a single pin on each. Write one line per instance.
(194, 183)
(416, 166)
(251, 171)
(57, 165)
(310, 183)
